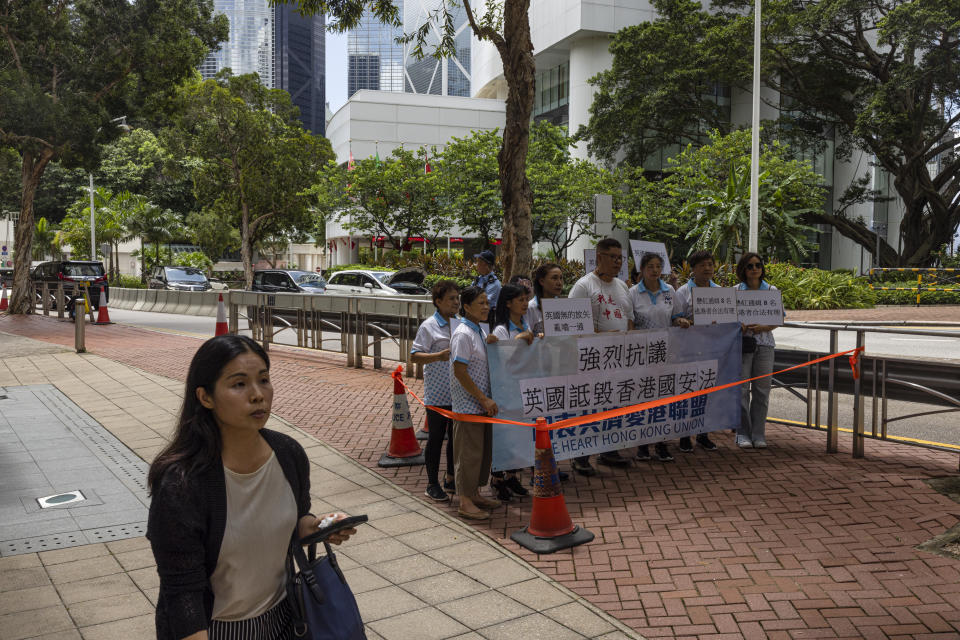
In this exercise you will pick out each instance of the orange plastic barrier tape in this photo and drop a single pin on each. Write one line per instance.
(854, 356)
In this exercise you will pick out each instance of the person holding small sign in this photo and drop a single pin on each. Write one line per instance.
(610, 301)
(470, 390)
(702, 268)
(547, 283)
(655, 306)
(758, 347)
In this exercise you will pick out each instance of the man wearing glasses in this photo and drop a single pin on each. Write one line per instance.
(612, 311)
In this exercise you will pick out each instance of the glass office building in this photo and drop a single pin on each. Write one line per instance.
(285, 49)
(375, 60)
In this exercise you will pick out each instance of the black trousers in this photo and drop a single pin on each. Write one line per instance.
(438, 426)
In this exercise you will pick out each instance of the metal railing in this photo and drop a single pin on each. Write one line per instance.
(882, 379)
(937, 279)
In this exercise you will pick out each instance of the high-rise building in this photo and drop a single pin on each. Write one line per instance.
(284, 48)
(377, 62)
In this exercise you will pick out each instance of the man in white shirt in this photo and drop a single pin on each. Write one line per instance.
(612, 311)
(702, 268)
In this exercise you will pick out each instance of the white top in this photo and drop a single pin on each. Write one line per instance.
(683, 305)
(510, 331)
(610, 301)
(653, 309)
(250, 576)
(534, 317)
(468, 346)
(764, 338)
(433, 336)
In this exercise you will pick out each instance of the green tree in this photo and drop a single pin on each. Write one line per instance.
(67, 67)
(506, 25)
(257, 160)
(46, 241)
(649, 206)
(153, 225)
(469, 179)
(212, 233)
(883, 75)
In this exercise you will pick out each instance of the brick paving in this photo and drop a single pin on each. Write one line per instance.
(786, 543)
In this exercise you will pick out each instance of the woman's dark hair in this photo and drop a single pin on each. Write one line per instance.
(441, 288)
(542, 272)
(467, 296)
(742, 266)
(507, 293)
(699, 256)
(196, 442)
(647, 257)
(522, 281)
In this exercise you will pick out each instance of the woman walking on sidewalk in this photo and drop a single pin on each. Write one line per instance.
(431, 348)
(227, 497)
(758, 347)
(470, 389)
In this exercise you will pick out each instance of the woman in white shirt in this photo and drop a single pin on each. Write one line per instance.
(547, 283)
(757, 361)
(655, 306)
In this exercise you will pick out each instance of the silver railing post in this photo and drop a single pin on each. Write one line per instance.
(359, 337)
(60, 297)
(45, 294)
(348, 332)
(79, 342)
(858, 404)
(233, 316)
(832, 427)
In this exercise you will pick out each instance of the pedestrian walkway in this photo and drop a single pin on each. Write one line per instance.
(417, 572)
(785, 543)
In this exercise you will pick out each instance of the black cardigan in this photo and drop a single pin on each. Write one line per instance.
(186, 527)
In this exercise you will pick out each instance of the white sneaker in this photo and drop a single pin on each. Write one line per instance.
(744, 443)
(759, 444)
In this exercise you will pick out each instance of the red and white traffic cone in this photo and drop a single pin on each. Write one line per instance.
(3, 297)
(551, 528)
(103, 316)
(404, 450)
(222, 328)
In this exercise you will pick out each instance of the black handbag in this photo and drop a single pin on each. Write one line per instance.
(748, 344)
(322, 603)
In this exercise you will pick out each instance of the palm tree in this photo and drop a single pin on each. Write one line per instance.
(46, 241)
(154, 225)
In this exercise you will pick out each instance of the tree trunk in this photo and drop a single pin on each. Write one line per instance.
(246, 246)
(23, 299)
(861, 235)
(516, 53)
(927, 221)
(143, 263)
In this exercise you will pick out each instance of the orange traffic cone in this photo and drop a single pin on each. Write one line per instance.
(103, 316)
(3, 297)
(551, 528)
(222, 328)
(404, 450)
(424, 433)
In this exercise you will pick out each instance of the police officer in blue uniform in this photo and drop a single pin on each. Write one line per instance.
(487, 280)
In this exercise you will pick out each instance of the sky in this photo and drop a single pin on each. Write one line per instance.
(336, 67)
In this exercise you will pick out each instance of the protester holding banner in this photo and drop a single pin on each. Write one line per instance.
(610, 300)
(702, 268)
(547, 283)
(470, 390)
(655, 306)
(431, 348)
(758, 347)
(511, 325)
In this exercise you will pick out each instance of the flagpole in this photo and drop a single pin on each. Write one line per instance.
(755, 136)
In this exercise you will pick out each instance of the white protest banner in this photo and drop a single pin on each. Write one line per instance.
(565, 377)
(590, 263)
(714, 305)
(640, 247)
(760, 307)
(567, 316)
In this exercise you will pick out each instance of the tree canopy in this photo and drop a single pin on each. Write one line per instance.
(880, 75)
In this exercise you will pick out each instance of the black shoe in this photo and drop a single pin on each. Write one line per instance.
(613, 459)
(434, 492)
(513, 483)
(685, 445)
(584, 468)
(643, 453)
(450, 486)
(500, 486)
(706, 442)
(663, 453)
(564, 476)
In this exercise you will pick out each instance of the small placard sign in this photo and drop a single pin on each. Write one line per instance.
(567, 316)
(760, 307)
(641, 247)
(714, 305)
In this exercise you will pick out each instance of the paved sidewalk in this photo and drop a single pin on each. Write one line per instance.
(417, 572)
(786, 543)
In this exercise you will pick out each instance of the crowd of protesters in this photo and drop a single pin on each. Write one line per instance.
(453, 350)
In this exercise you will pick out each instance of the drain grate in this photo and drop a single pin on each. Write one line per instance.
(42, 543)
(118, 532)
(60, 499)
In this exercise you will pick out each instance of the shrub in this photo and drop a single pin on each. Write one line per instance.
(197, 259)
(909, 297)
(433, 278)
(127, 282)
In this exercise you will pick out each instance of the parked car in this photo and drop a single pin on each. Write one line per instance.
(288, 281)
(407, 281)
(72, 273)
(178, 279)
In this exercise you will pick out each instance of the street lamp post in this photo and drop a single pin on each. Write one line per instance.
(121, 123)
(755, 136)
